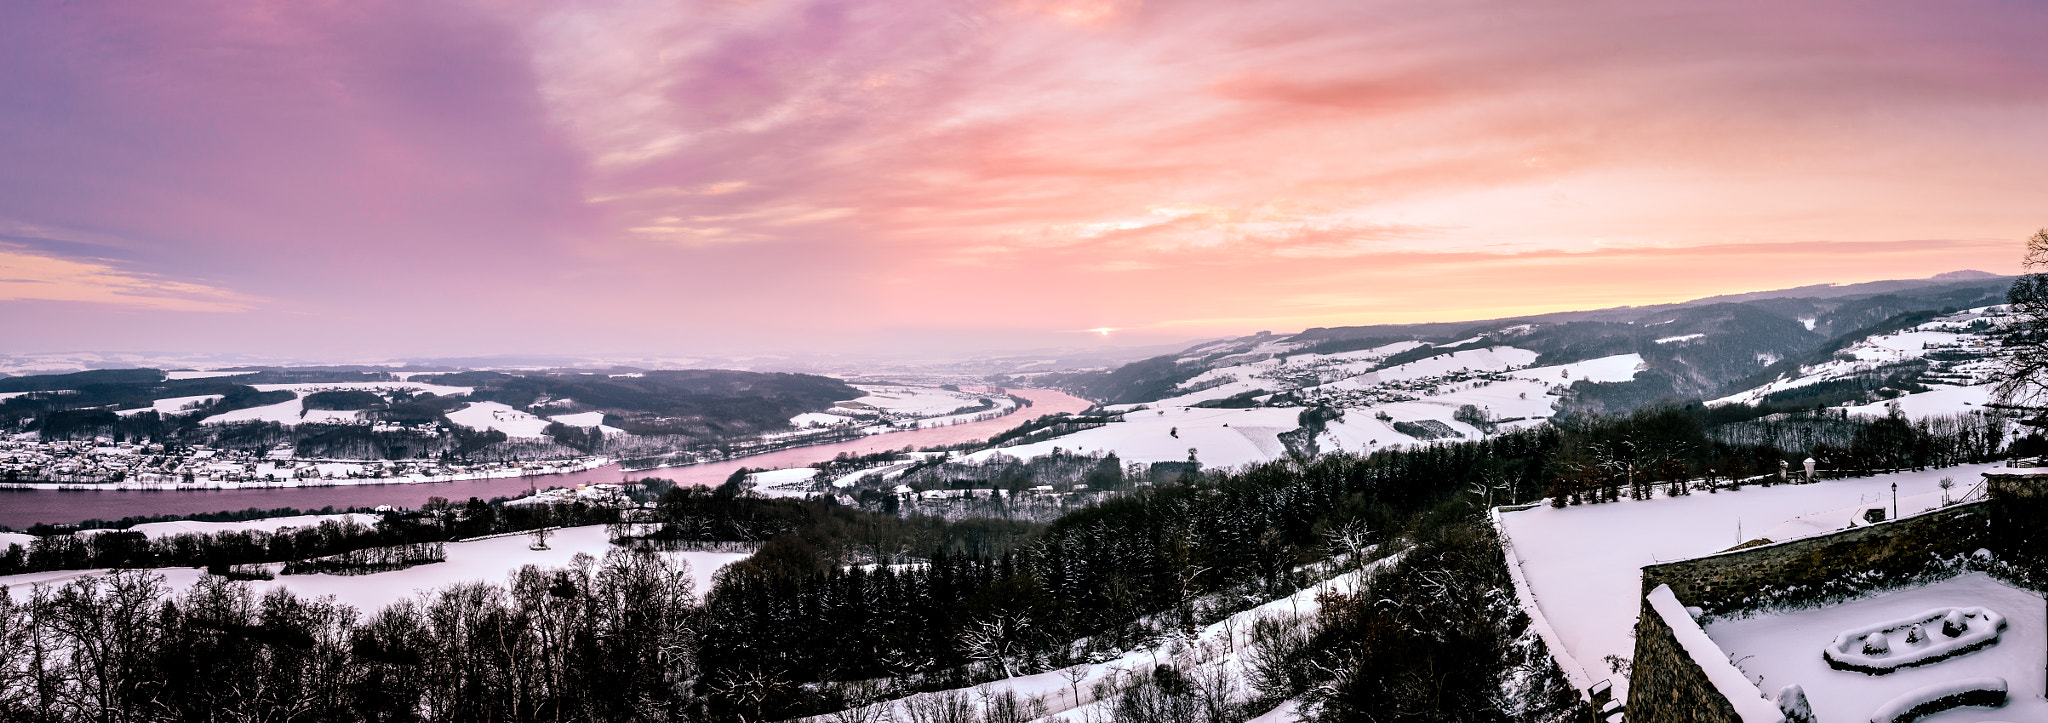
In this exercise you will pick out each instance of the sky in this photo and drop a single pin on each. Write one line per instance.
(361, 178)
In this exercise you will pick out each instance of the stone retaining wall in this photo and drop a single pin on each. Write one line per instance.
(1900, 548)
(1665, 685)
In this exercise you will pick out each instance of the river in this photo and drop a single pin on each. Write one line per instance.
(22, 508)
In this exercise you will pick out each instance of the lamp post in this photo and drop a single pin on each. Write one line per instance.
(1895, 500)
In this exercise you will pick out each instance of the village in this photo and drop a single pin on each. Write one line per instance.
(26, 462)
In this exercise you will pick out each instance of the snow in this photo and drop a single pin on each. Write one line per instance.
(1942, 399)
(1287, 712)
(288, 412)
(917, 401)
(1821, 523)
(16, 538)
(1917, 640)
(381, 387)
(1216, 644)
(268, 524)
(487, 560)
(1618, 368)
(1583, 562)
(1748, 701)
(1917, 702)
(499, 416)
(177, 376)
(1950, 333)
(581, 419)
(171, 405)
(1252, 436)
(792, 482)
(1779, 648)
(1675, 339)
(821, 419)
(1493, 358)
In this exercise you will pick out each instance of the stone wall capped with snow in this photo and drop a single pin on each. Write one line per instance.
(1745, 579)
(1666, 685)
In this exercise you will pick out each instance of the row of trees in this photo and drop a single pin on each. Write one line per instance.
(438, 521)
(607, 640)
(1602, 460)
(838, 595)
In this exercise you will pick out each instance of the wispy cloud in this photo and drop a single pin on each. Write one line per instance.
(785, 168)
(28, 276)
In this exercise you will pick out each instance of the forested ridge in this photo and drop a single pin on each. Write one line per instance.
(842, 606)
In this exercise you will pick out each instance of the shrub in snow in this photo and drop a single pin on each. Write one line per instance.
(1886, 647)
(1928, 700)
(1792, 702)
(1954, 624)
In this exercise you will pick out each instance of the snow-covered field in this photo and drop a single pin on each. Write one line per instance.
(1942, 399)
(792, 482)
(1429, 390)
(381, 387)
(293, 411)
(487, 560)
(1220, 437)
(268, 524)
(918, 401)
(1958, 335)
(499, 416)
(1784, 648)
(170, 406)
(1583, 564)
(181, 375)
(288, 412)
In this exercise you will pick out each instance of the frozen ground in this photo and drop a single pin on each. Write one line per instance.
(1428, 390)
(792, 482)
(202, 375)
(1941, 399)
(918, 401)
(383, 387)
(1583, 563)
(1220, 437)
(268, 524)
(1784, 648)
(1968, 356)
(499, 416)
(488, 560)
(172, 405)
(287, 413)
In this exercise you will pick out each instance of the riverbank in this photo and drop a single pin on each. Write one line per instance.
(20, 508)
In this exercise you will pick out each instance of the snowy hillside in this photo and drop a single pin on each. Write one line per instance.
(1941, 366)
(1378, 406)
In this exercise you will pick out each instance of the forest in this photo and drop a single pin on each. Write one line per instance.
(842, 606)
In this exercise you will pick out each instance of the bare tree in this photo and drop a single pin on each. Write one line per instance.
(2023, 379)
(1074, 676)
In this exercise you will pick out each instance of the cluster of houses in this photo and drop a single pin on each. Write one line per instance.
(25, 460)
(1405, 390)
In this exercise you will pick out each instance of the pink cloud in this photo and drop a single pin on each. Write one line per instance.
(657, 175)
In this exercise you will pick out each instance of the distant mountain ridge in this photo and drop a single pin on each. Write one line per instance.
(1706, 348)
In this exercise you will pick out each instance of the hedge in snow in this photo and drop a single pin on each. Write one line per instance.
(1929, 637)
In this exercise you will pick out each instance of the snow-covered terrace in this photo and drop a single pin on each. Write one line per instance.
(1582, 565)
(1784, 648)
